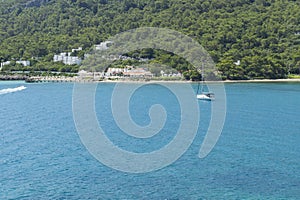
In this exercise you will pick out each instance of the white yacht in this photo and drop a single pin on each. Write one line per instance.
(207, 96)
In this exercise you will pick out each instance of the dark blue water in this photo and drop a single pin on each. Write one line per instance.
(256, 157)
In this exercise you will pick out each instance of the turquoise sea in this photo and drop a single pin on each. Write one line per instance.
(256, 157)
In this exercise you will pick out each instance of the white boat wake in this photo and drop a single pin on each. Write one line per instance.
(10, 90)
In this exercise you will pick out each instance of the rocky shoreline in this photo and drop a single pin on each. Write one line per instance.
(13, 77)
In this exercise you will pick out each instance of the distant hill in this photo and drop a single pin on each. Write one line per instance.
(263, 34)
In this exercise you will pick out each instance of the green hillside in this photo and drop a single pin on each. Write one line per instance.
(263, 34)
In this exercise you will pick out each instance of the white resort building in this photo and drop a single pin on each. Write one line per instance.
(129, 71)
(67, 59)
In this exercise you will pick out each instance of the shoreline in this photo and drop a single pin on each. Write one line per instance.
(208, 82)
(263, 81)
(78, 80)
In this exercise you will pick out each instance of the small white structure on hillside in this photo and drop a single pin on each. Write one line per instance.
(25, 63)
(103, 45)
(237, 63)
(79, 49)
(5, 63)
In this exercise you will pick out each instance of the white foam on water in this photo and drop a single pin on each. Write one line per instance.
(10, 90)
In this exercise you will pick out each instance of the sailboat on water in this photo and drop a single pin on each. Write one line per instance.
(207, 96)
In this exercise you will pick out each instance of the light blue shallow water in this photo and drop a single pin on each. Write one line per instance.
(257, 156)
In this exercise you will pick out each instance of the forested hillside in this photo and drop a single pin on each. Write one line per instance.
(263, 34)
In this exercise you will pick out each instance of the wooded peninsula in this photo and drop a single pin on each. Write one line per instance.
(262, 36)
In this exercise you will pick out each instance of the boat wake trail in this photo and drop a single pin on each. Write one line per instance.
(10, 90)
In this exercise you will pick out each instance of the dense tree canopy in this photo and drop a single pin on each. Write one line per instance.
(263, 34)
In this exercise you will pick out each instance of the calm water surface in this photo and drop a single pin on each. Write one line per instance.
(256, 157)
